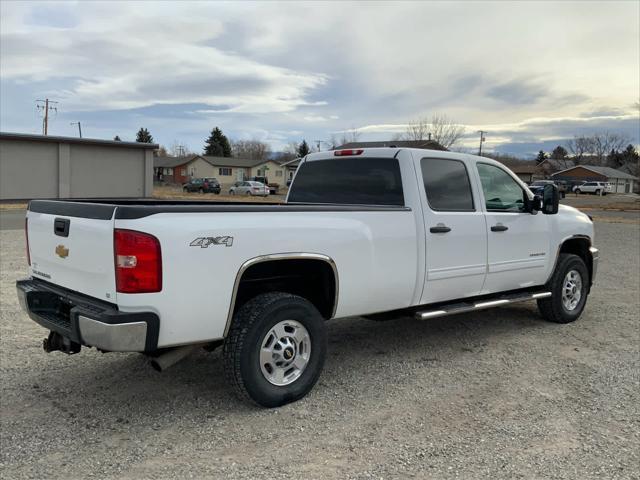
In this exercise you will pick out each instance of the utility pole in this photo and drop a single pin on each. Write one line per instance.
(482, 139)
(44, 105)
(79, 128)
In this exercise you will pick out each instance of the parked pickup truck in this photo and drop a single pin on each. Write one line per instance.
(368, 232)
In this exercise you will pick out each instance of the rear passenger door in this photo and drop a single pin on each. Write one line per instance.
(456, 243)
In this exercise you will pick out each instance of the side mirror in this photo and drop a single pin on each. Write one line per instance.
(550, 199)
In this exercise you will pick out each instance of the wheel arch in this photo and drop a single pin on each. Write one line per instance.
(292, 262)
(577, 245)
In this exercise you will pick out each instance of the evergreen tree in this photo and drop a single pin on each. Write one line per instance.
(217, 144)
(116, 139)
(143, 136)
(559, 153)
(541, 157)
(303, 149)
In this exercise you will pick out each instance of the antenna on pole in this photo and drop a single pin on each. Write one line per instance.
(482, 139)
(46, 106)
(79, 128)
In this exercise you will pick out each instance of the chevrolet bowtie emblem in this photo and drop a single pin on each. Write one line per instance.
(62, 251)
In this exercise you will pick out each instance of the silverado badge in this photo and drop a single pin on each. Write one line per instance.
(62, 251)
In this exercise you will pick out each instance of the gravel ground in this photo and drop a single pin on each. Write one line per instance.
(496, 394)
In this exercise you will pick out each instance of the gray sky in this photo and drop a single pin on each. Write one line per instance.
(530, 73)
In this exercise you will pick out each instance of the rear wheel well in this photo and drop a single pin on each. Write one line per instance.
(580, 247)
(312, 279)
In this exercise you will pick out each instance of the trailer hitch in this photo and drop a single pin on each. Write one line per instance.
(56, 342)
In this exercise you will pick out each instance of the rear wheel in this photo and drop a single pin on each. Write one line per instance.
(569, 286)
(598, 192)
(275, 350)
(578, 191)
(232, 192)
(249, 194)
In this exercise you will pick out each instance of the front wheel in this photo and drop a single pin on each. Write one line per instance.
(569, 286)
(275, 350)
(578, 191)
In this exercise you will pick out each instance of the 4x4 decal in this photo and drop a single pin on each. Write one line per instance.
(204, 242)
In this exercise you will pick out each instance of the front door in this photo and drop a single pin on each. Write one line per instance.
(456, 243)
(518, 241)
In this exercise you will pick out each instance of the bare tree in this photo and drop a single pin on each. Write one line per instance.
(162, 152)
(332, 142)
(350, 136)
(441, 129)
(595, 148)
(604, 143)
(580, 147)
(445, 131)
(417, 129)
(252, 149)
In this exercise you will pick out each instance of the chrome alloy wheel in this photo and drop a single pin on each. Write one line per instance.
(284, 352)
(571, 290)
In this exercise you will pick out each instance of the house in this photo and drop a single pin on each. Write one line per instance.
(171, 169)
(227, 170)
(526, 172)
(426, 144)
(550, 166)
(291, 166)
(621, 182)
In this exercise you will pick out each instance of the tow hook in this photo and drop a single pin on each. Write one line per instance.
(56, 342)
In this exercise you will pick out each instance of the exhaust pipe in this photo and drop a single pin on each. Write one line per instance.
(165, 360)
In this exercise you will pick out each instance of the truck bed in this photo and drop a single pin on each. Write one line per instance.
(106, 209)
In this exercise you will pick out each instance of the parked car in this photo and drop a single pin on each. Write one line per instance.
(273, 187)
(250, 188)
(537, 187)
(597, 188)
(375, 232)
(202, 185)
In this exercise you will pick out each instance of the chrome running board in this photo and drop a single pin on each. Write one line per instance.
(462, 307)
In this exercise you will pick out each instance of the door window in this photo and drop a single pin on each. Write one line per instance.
(501, 192)
(447, 185)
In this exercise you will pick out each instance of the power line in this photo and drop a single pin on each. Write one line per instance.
(45, 106)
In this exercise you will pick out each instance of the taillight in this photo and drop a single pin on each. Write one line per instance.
(138, 262)
(26, 237)
(347, 153)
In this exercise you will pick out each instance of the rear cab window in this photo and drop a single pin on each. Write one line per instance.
(349, 181)
(447, 185)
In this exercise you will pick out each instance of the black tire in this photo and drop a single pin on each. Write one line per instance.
(597, 192)
(552, 308)
(578, 191)
(185, 190)
(241, 349)
(200, 190)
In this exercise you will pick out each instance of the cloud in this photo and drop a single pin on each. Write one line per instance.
(265, 68)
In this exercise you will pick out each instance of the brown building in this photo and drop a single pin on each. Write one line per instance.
(621, 182)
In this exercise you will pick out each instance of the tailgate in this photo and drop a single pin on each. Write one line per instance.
(72, 251)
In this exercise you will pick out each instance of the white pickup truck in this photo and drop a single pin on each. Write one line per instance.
(371, 232)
